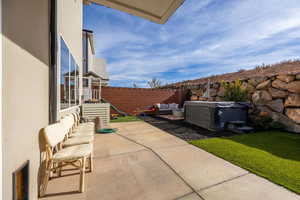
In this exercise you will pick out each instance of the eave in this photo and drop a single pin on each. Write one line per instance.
(158, 11)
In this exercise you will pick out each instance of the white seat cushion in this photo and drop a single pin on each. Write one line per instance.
(83, 132)
(87, 124)
(85, 128)
(78, 140)
(73, 152)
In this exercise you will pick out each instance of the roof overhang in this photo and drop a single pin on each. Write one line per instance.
(158, 11)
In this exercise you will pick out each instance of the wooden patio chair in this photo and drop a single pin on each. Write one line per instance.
(89, 125)
(74, 139)
(58, 157)
(76, 131)
(77, 139)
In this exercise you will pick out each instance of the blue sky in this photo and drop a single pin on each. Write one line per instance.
(203, 38)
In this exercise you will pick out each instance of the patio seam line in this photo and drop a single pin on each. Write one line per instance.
(180, 145)
(120, 154)
(225, 181)
(185, 195)
(167, 164)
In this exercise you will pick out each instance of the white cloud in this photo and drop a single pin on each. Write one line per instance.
(203, 38)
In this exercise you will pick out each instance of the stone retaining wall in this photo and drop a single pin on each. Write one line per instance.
(278, 95)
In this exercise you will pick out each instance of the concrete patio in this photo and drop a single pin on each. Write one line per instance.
(142, 162)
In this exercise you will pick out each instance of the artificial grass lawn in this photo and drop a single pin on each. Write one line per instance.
(126, 119)
(273, 155)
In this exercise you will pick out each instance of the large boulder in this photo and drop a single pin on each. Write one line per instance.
(257, 80)
(286, 78)
(221, 92)
(199, 92)
(279, 84)
(261, 97)
(289, 124)
(213, 92)
(293, 114)
(218, 98)
(247, 86)
(276, 105)
(193, 92)
(276, 93)
(216, 85)
(293, 100)
(263, 85)
(294, 87)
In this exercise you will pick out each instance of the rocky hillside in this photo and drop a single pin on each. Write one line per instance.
(286, 67)
(274, 90)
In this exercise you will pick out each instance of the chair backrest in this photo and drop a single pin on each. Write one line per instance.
(69, 121)
(65, 122)
(76, 119)
(54, 134)
(78, 116)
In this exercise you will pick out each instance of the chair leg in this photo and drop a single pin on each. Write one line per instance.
(45, 183)
(82, 175)
(59, 169)
(91, 164)
(52, 165)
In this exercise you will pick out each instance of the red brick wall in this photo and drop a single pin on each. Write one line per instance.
(130, 100)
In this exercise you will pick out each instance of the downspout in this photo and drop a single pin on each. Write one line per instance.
(1, 110)
(53, 64)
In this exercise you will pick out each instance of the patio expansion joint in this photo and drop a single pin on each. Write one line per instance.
(190, 193)
(167, 164)
(225, 181)
(170, 147)
(119, 154)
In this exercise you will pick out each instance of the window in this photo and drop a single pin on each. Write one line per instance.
(69, 78)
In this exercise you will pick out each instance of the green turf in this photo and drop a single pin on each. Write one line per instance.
(273, 155)
(126, 119)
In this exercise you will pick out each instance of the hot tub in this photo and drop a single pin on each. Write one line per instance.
(215, 116)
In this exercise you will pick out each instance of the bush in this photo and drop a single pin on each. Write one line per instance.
(234, 91)
(263, 122)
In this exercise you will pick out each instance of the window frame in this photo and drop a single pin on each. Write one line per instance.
(59, 77)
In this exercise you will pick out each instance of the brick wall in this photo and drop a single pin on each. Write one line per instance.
(130, 100)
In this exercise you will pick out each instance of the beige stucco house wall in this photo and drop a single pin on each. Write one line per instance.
(69, 27)
(25, 77)
(25, 86)
(26, 57)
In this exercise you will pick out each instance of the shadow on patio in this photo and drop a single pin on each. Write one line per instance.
(142, 162)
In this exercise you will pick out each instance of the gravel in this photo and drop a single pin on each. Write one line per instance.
(183, 130)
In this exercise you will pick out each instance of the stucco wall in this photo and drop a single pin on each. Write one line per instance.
(25, 86)
(69, 26)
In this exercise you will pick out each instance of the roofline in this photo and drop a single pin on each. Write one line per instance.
(139, 12)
